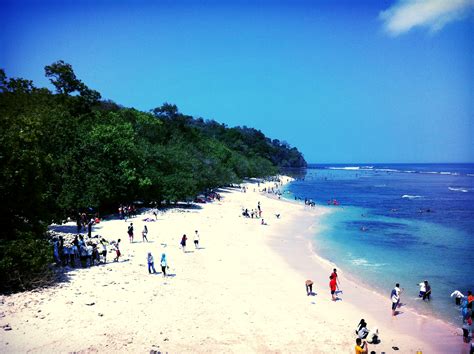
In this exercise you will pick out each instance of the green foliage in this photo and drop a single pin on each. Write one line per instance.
(23, 260)
(66, 151)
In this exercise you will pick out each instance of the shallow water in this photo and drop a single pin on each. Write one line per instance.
(398, 223)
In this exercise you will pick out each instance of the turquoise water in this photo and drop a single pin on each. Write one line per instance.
(402, 227)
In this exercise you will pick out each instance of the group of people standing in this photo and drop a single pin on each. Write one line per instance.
(465, 303)
(80, 251)
(127, 211)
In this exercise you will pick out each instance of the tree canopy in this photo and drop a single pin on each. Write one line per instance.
(68, 150)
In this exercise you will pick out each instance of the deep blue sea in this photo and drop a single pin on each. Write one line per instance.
(398, 223)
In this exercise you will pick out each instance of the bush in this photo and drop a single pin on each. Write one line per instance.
(24, 262)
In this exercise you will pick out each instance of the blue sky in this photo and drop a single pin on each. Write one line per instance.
(344, 81)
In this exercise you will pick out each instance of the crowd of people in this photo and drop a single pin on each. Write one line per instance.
(465, 304)
(81, 251)
(87, 251)
(127, 211)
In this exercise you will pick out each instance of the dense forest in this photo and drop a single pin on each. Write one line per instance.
(66, 151)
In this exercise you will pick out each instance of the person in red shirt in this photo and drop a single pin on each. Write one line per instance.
(332, 286)
(334, 275)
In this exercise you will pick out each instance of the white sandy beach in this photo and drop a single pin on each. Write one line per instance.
(243, 291)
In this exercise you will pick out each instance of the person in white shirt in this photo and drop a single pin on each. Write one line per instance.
(89, 251)
(196, 239)
(422, 286)
(458, 295)
(395, 296)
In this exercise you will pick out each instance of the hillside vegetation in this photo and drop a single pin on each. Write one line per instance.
(67, 151)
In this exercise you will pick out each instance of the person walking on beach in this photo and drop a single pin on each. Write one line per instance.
(309, 287)
(151, 263)
(145, 233)
(334, 275)
(332, 286)
(183, 242)
(117, 251)
(196, 239)
(395, 296)
(164, 264)
(130, 232)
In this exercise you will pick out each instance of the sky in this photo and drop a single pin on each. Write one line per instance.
(343, 81)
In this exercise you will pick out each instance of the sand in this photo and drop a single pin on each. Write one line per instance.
(242, 291)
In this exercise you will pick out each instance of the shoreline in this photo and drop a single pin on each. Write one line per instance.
(305, 260)
(241, 291)
(361, 280)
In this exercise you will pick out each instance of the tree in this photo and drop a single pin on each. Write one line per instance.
(62, 76)
(167, 110)
(64, 79)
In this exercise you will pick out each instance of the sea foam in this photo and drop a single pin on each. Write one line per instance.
(458, 189)
(408, 196)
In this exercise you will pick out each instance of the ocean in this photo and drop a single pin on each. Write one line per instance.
(398, 223)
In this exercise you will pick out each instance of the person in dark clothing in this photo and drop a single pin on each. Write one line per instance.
(427, 294)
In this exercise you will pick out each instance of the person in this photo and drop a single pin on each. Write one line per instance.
(151, 263)
(373, 336)
(73, 252)
(332, 286)
(362, 330)
(422, 286)
(117, 250)
(89, 253)
(164, 264)
(464, 310)
(130, 232)
(196, 239)
(61, 251)
(78, 223)
(95, 254)
(155, 214)
(361, 348)
(470, 299)
(427, 294)
(89, 227)
(465, 332)
(183, 242)
(66, 252)
(395, 296)
(76, 243)
(104, 250)
(309, 287)
(57, 260)
(458, 296)
(145, 233)
(83, 254)
(334, 274)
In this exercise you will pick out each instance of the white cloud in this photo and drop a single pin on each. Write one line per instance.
(433, 14)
